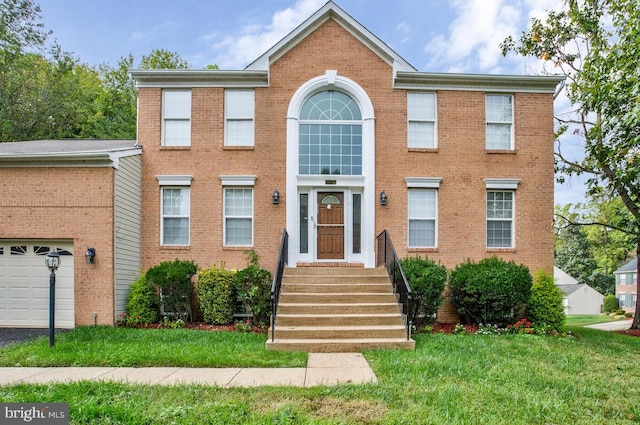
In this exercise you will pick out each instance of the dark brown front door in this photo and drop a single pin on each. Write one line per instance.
(330, 226)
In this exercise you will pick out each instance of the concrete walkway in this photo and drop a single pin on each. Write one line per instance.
(322, 369)
(618, 325)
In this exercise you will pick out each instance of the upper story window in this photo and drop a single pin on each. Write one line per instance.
(421, 116)
(499, 116)
(330, 135)
(623, 279)
(176, 117)
(239, 111)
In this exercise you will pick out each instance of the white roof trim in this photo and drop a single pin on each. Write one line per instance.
(174, 180)
(187, 78)
(238, 180)
(330, 11)
(424, 182)
(477, 82)
(510, 184)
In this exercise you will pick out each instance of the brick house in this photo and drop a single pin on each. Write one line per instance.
(352, 140)
(626, 286)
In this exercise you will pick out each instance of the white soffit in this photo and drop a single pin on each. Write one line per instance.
(508, 184)
(174, 180)
(423, 182)
(238, 180)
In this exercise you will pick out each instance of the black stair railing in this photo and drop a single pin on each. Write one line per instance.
(388, 257)
(283, 259)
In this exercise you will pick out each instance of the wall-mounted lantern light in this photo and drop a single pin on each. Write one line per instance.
(275, 199)
(52, 261)
(90, 255)
(383, 198)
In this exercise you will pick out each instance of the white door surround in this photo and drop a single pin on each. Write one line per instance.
(349, 184)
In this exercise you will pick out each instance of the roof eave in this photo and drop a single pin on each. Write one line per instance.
(177, 78)
(92, 159)
(477, 82)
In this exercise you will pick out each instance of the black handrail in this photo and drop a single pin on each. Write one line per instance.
(387, 255)
(283, 259)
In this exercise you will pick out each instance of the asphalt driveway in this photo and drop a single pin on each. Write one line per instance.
(14, 335)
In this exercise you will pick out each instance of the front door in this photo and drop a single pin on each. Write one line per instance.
(330, 226)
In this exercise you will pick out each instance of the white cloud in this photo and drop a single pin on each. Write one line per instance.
(238, 50)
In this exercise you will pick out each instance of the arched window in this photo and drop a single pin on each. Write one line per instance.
(330, 135)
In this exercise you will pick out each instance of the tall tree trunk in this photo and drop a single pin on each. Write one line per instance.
(636, 317)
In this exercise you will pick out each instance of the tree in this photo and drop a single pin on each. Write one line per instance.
(574, 257)
(163, 59)
(594, 43)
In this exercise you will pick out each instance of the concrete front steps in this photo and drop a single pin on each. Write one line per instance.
(338, 309)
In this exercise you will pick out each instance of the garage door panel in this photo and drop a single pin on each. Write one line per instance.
(24, 284)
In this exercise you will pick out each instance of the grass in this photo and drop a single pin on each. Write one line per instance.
(591, 378)
(126, 347)
(585, 320)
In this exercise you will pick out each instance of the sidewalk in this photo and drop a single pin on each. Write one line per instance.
(619, 325)
(322, 369)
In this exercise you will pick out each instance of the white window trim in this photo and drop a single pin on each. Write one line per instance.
(501, 184)
(228, 119)
(165, 118)
(423, 182)
(162, 216)
(174, 180)
(512, 219)
(434, 121)
(168, 181)
(435, 219)
(224, 215)
(238, 180)
(511, 123)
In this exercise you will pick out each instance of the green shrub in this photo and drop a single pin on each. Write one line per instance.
(216, 295)
(427, 281)
(610, 303)
(172, 283)
(545, 304)
(619, 312)
(491, 291)
(253, 290)
(142, 304)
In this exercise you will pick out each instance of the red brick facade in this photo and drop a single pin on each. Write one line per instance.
(460, 159)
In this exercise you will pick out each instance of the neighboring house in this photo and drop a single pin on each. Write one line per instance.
(626, 286)
(68, 195)
(332, 135)
(578, 298)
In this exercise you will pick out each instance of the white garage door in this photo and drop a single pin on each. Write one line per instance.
(24, 284)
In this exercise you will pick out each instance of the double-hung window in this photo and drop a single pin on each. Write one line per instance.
(422, 212)
(175, 215)
(239, 111)
(622, 300)
(421, 116)
(176, 117)
(500, 219)
(238, 216)
(499, 116)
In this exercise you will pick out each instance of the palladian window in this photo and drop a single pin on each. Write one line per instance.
(330, 135)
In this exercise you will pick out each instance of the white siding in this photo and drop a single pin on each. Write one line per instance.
(585, 300)
(127, 208)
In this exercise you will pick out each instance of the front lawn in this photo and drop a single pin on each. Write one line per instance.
(591, 378)
(127, 347)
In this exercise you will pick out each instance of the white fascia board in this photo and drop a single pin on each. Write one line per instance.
(174, 180)
(424, 182)
(477, 82)
(181, 78)
(505, 184)
(238, 180)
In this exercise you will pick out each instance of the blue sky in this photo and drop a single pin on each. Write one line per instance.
(432, 35)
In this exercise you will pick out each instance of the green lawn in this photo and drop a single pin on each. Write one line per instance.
(585, 320)
(126, 347)
(590, 378)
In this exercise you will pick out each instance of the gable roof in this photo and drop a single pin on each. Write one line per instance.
(628, 267)
(563, 278)
(331, 11)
